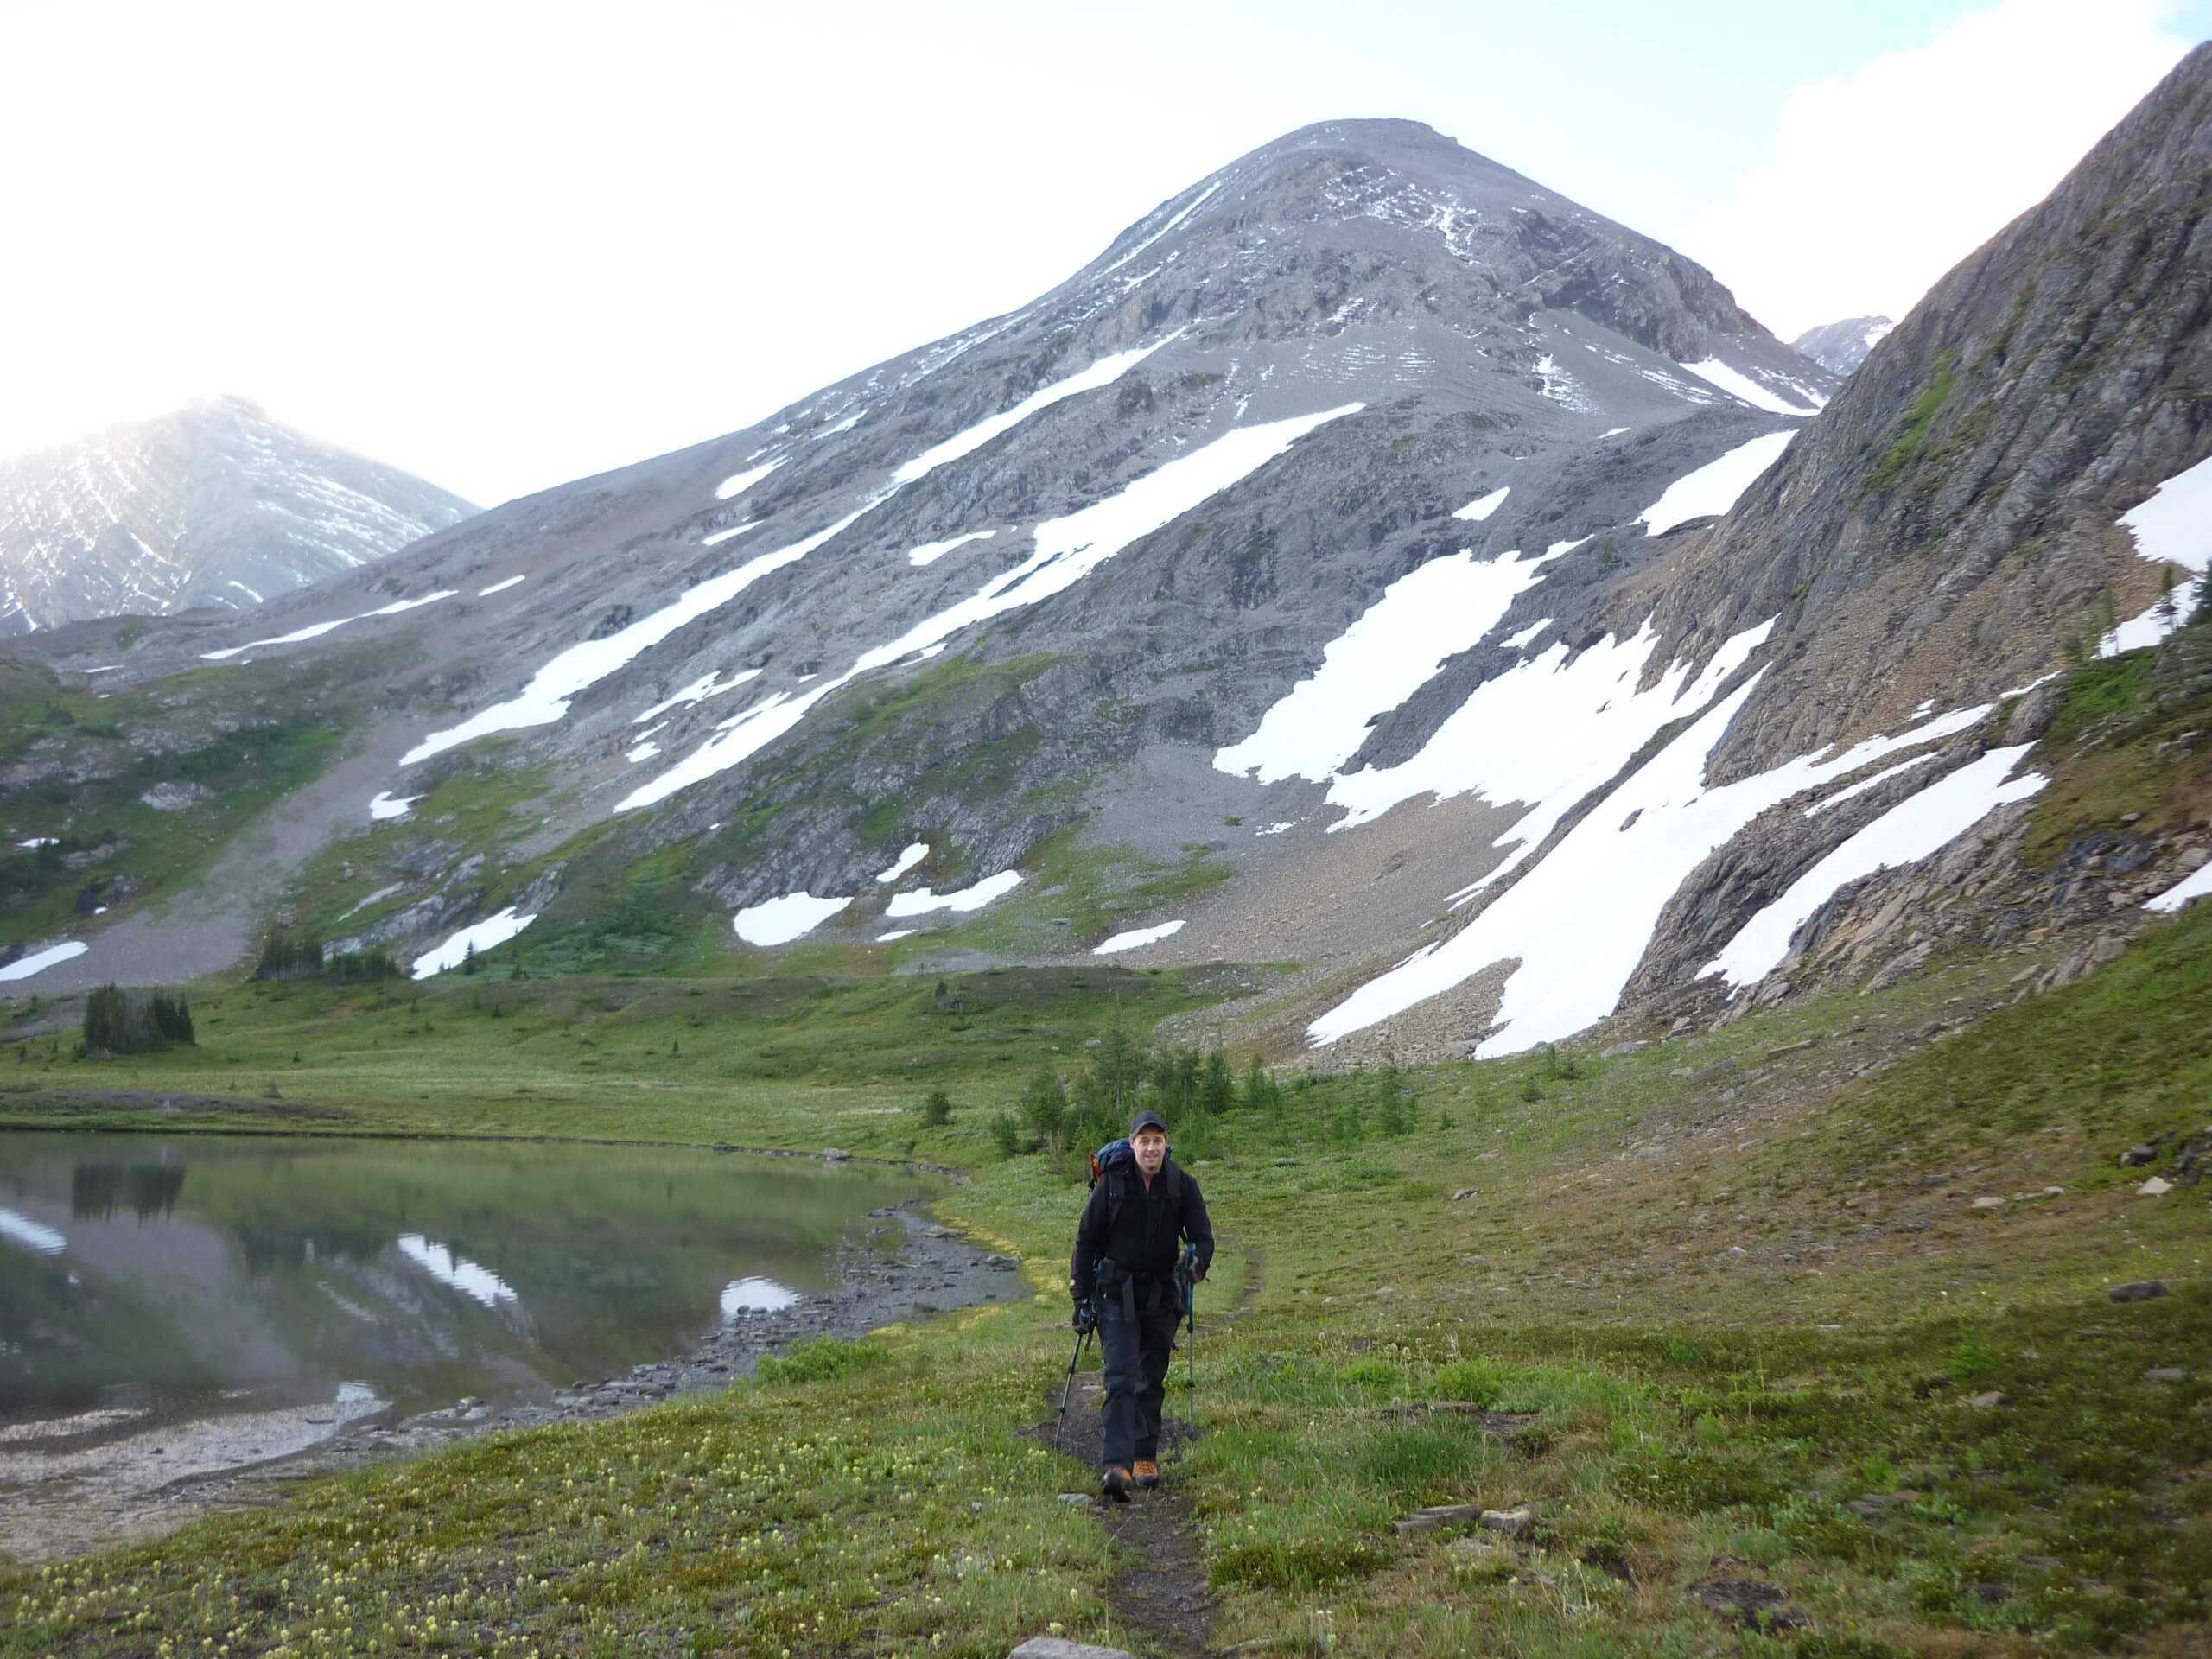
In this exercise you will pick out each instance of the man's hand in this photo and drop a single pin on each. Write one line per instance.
(1085, 1318)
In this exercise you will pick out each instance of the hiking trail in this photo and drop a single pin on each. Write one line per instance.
(1161, 1591)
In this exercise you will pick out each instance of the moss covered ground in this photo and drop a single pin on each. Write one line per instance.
(1717, 1310)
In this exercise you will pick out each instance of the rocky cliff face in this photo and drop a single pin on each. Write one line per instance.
(1841, 346)
(214, 506)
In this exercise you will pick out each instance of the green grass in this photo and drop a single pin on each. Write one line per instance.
(1675, 1411)
(2113, 753)
(1904, 448)
(1076, 895)
(216, 729)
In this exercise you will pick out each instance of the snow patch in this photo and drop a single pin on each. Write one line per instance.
(1482, 506)
(778, 921)
(1915, 827)
(316, 630)
(385, 804)
(500, 586)
(913, 855)
(1713, 488)
(2174, 526)
(376, 898)
(921, 901)
(1547, 731)
(2191, 886)
(1277, 829)
(480, 937)
(1197, 202)
(897, 933)
(39, 961)
(1865, 784)
(1738, 384)
(1396, 647)
(1067, 551)
(931, 552)
(1527, 635)
(738, 483)
(569, 672)
(1579, 921)
(37, 842)
(1103, 373)
(1137, 937)
(734, 531)
(710, 684)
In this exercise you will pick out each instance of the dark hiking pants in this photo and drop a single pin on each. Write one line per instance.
(1136, 1338)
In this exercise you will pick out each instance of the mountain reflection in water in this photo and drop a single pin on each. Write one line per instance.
(185, 1275)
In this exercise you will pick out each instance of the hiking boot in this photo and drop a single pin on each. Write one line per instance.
(1117, 1484)
(1147, 1473)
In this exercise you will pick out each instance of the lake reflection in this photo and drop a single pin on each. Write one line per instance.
(189, 1274)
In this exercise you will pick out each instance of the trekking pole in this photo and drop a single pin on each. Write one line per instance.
(1082, 1340)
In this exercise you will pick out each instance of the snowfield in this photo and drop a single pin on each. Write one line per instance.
(1548, 731)
(1396, 645)
(922, 901)
(1103, 373)
(778, 921)
(1916, 826)
(931, 552)
(38, 961)
(1578, 920)
(1067, 551)
(2191, 887)
(483, 935)
(316, 630)
(1713, 488)
(2173, 527)
(1137, 937)
(738, 483)
(913, 855)
(1482, 508)
(1740, 385)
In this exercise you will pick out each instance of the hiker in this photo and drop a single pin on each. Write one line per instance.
(1125, 1274)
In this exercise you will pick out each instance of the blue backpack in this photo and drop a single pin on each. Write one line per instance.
(1114, 1155)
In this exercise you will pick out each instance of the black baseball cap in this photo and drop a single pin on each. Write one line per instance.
(1147, 1120)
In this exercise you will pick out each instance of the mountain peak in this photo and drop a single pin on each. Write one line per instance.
(1841, 346)
(214, 503)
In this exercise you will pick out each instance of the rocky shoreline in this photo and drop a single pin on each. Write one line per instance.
(127, 1490)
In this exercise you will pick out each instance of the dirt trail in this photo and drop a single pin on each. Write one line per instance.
(1161, 1591)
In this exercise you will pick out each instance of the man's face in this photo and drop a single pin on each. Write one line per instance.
(1151, 1148)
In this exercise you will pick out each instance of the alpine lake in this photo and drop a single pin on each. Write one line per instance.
(174, 1307)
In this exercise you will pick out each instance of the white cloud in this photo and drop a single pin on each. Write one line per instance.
(1882, 180)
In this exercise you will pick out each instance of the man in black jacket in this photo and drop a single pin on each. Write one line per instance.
(1124, 1273)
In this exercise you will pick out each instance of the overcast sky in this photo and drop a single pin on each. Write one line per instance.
(504, 246)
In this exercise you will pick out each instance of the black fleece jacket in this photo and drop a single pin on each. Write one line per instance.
(1148, 1226)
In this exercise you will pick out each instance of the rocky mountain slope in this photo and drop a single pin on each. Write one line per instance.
(1841, 346)
(1328, 571)
(216, 504)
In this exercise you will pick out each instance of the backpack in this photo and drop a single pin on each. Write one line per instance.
(1114, 1155)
